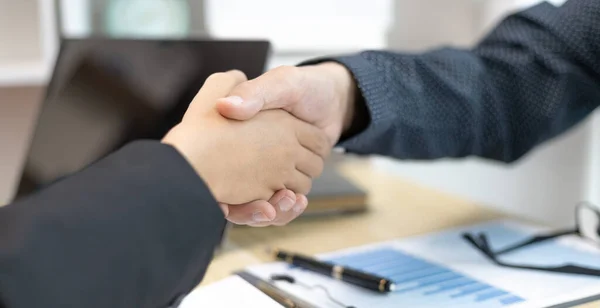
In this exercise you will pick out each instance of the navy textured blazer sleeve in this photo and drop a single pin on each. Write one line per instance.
(136, 229)
(534, 76)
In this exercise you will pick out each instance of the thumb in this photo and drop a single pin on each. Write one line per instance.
(235, 108)
(275, 89)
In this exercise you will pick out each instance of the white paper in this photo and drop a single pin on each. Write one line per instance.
(443, 270)
(229, 292)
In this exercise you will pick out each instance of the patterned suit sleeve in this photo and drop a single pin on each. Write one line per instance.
(536, 75)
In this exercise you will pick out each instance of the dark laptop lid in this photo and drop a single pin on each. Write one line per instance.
(106, 92)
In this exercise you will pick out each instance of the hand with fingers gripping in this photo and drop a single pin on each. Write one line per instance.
(321, 95)
(245, 162)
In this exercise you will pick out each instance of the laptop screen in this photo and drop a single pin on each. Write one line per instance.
(105, 93)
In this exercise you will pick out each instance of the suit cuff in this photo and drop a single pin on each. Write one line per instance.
(371, 110)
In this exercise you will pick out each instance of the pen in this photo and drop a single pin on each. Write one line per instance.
(357, 278)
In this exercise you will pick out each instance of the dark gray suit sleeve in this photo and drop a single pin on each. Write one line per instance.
(136, 229)
(532, 78)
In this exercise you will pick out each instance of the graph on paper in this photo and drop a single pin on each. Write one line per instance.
(419, 281)
(442, 270)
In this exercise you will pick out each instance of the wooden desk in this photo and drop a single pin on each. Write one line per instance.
(398, 209)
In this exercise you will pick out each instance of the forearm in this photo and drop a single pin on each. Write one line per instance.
(534, 77)
(136, 229)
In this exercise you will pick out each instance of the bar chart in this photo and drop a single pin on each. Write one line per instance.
(422, 281)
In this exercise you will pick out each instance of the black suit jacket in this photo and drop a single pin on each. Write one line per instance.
(136, 229)
(533, 77)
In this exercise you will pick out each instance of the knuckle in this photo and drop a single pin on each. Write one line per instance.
(286, 70)
(286, 174)
(319, 168)
(314, 167)
(215, 77)
(233, 77)
(322, 145)
(305, 187)
(244, 86)
(238, 75)
(290, 77)
(318, 142)
(250, 88)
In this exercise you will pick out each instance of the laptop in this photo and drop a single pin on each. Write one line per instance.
(105, 93)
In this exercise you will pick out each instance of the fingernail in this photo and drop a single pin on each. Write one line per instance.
(285, 204)
(299, 208)
(260, 217)
(234, 100)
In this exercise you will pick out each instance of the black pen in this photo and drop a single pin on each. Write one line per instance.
(357, 278)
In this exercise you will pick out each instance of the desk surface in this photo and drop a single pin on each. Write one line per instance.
(404, 208)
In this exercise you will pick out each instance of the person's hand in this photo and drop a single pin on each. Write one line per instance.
(244, 161)
(322, 95)
(280, 210)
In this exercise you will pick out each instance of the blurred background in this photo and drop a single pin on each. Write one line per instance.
(544, 185)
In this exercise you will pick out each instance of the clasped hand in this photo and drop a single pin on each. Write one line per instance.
(322, 95)
(274, 156)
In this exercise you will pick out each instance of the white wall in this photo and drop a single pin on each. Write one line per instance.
(28, 42)
(22, 42)
(300, 30)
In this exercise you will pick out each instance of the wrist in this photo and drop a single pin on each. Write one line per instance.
(193, 153)
(345, 89)
(179, 147)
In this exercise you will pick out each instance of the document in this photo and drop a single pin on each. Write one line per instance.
(443, 270)
(229, 292)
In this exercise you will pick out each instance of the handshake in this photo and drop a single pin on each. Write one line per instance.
(258, 144)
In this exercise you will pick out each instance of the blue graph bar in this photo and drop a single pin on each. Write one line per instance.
(407, 269)
(430, 271)
(452, 285)
(511, 300)
(471, 290)
(490, 295)
(392, 264)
